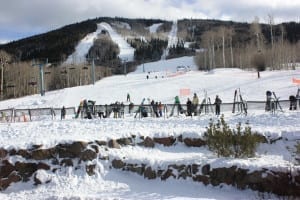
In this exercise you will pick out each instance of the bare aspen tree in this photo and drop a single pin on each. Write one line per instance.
(271, 23)
(230, 33)
(4, 59)
(255, 29)
(222, 33)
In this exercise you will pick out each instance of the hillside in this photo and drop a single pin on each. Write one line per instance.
(58, 44)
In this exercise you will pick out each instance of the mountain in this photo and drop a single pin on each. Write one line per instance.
(58, 44)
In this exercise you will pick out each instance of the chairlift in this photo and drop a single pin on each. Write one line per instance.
(10, 86)
(72, 68)
(85, 68)
(64, 72)
(32, 83)
(47, 72)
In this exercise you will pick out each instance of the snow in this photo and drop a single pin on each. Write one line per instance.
(153, 28)
(163, 84)
(114, 184)
(126, 51)
(172, 39)
(122, 25)
(81, 50)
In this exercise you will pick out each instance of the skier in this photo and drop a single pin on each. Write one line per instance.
(63, 113)
(218, 102)
(189, 107)
(128, 97)
(293, 102)
(176, 103)
(160, 109)
(131, 105)
(195, 103)
(268, 101)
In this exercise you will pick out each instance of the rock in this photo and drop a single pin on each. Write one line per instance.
(44, 166)
(222, 175)
(88, 155)
(95, 147)
(90, 169)
(195, 168)
(135, 168)
(167, 174)
(6, 168)
(202, 179)
(101, 143)
(71, 150)
(179, 168)
(12, 178)
(205, 169)
(12, 152)
(125, 141)
(148, 142)
(25, 170)
(149, 173)
(67, 162)
(194, 142)
(168, 141)
(3, 153)
(179, 138)
(118, 164)
(114, 144)
(43, 154)
(36, 146)
(24, 153)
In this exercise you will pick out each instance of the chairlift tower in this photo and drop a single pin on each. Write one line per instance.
(3, 62)
(41, 66)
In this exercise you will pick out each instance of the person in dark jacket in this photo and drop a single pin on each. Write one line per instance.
(63, 113)
(218, 102)
(189, 107)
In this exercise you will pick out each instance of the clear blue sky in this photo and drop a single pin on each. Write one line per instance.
(22, 18)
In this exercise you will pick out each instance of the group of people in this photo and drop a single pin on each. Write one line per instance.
(157, 108)
(192, 106)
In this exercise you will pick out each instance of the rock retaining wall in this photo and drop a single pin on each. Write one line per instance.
(77, 154)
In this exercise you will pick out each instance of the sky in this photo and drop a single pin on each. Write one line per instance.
(23, 18)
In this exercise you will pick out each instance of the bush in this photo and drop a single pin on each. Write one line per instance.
(258, 61)
(228, 142)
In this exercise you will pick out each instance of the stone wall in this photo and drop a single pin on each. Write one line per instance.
(77, 155)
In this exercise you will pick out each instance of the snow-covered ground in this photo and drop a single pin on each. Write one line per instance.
(113, 184)
(126, 51)
(172, 39)
(153, 28)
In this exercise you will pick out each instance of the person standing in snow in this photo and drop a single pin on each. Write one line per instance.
(176, 103)
(63, 113)
(195, 103)
(218, 102)
(128, 97)
(189, 107)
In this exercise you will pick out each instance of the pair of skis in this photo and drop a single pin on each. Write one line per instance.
(237, 102)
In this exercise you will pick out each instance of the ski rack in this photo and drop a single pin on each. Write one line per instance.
(206, 104)
(239, 103)
(272, 103)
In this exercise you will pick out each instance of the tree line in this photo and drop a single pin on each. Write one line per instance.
(265, 46)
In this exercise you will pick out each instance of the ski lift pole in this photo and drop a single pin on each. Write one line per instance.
(42, 86)
(93, 71)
